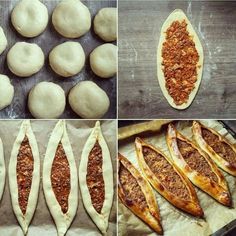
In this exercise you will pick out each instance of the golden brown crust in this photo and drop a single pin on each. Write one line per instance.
(140, 200)
(216, 146)
(167, 178)
(201, 171)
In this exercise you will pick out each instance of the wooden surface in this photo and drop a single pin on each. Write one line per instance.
(139, 30)
(47, 40)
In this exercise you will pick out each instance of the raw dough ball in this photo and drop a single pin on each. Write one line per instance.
(3, 41)
(88, 100)
(103, 60)
(46, 100)
(25, 59)
(6, 91)
(29, 17)
(71, 18)
(105, 24)
(67, 59)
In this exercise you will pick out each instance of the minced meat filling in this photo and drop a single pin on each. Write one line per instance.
(60, 178)
(220, 147)
(24, 172)
(180, 59)
(131, 188)
(165, 173)
(94, 177)
(195, 160)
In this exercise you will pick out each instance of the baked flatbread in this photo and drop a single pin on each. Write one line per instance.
(179, 60)
(136, 194)
(167, 178)
(197, 166)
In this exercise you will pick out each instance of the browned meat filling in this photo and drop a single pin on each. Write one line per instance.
(180, 59)
(60, 178)
(131, 188)
(195, 160)
(94, 177)
(165, 173)
(24, 172)
(220, 147)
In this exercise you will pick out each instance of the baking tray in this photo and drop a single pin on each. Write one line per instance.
(47, 40)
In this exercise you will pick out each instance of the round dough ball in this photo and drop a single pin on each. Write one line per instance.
(88, 100)
(105, 24)
(46, 100)
(3, 41)
(67, 59)
(29, 17)
(103, 60)
(25, 59)
(71, 18)
(6, 91)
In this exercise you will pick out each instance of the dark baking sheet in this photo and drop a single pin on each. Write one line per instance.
(47, 40)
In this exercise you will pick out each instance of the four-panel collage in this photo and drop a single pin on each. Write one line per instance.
(117, 117)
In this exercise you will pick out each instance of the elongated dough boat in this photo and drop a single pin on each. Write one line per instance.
(221, 151)
(198, 166)
(136, 194)
(179, 60)
(24, 175)
(60, 179)
(96, 178)
(167, 178)
(2, 170)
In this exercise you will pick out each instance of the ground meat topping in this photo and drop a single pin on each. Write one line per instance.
(24, 172)
(131, 188)
(195, 160)
(165, 173)
(94, 177)
(60, 178)
(220, 147)
(180, 59)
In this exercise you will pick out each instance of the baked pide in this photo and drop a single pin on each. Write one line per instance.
(221, 151)
(60, 179)
(167, 178)
(197, 166)
(2, 170)
(137, 195)
(24, 175)
(179, 60)
(96, 178)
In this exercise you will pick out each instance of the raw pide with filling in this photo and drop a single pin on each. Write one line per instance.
(2, 170)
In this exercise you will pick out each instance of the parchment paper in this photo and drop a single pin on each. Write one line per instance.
(42, 223)
(174, 221)
(48, 40)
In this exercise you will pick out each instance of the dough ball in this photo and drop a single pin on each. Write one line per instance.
(29, 17)
(103, 60)
(3, 41)
(46, 100)
(105, 24)
(71, 18)
(25, 59)
(6, 91)
(88, 100)
(67, 59)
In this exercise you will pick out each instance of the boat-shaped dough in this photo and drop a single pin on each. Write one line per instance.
(198, 166)
(60, 179)
(167, 178)
(24, 175)
(179, 60)
(216, 146)
(96, 178)
(137, 195)
(2, 170)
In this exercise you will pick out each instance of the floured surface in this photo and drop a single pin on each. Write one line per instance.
(174, 221)
(47, 40)
(42, 223)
